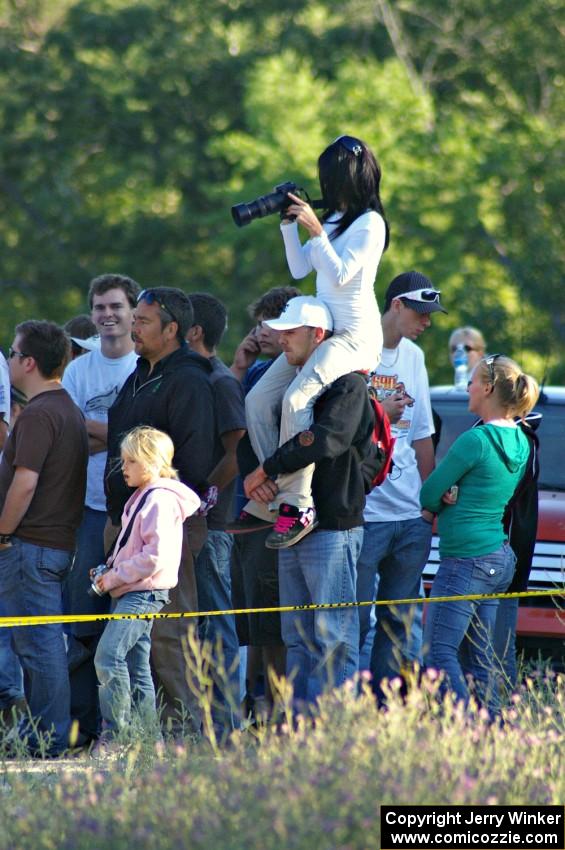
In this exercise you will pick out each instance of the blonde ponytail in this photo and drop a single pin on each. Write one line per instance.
(515, 391)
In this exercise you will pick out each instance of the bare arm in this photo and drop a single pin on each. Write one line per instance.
(3, 434)
(97, 436)
(18, 499)
(96, 429)
(245, 355)
(425, 458)
(226, 470)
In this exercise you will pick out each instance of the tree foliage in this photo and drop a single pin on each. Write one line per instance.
(129, 129)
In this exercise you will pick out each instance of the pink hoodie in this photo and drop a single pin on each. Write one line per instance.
(150, 559)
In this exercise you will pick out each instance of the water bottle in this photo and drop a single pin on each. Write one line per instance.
(460, 362)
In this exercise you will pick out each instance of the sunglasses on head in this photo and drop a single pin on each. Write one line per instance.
(151, 297)
(350, 143)
(426, 296)
(490, 364)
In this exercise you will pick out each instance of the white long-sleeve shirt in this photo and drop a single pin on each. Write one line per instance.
(346, 269)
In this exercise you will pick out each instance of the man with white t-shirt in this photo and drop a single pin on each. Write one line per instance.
(93, 381)
(397, 537)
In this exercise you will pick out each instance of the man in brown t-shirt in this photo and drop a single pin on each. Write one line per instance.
(42, 486)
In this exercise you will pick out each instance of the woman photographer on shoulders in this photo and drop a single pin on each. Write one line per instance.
(486, 463)
(344, 249)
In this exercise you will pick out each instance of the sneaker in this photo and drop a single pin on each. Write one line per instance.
(247, 522)
(291, 526)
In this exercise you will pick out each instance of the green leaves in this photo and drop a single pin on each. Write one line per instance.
(128, 131)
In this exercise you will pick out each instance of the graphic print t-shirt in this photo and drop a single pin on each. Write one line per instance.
(398, 496)
(93, 382)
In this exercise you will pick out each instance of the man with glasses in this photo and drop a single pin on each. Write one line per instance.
(397, 539)
(170, 390)
(93, 381)
(42, 487)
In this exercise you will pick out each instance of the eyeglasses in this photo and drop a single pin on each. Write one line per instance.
(350, 143)
(467, 348)
(151, 297)
(490, 363)
(427, 296)
(13, 353)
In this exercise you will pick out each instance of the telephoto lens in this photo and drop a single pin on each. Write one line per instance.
(277, 201)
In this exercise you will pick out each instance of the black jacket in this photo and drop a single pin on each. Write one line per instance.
(337, 443)
(521, 516)
(176, 398)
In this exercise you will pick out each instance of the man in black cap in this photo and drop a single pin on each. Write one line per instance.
(397, 536)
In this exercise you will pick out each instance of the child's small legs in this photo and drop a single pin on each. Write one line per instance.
(122, 660)
(334, 358)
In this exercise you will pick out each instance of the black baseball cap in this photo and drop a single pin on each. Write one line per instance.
(417, 292)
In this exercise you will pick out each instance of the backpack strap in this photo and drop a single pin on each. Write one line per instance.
(115, 547)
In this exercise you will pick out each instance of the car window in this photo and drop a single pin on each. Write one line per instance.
(455, 418)
(551, 434)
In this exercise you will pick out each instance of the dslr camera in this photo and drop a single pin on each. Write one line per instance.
(94, 574)
(277, 201)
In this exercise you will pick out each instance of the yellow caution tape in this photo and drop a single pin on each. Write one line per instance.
(41, 620)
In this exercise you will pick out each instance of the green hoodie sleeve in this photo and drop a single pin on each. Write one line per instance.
(465, 452)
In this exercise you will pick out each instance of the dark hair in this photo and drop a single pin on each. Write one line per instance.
(351, 182)
(47, 343)
(177, 305)
(81, 327)
(211, 315)
(272, 303)
(104, 282)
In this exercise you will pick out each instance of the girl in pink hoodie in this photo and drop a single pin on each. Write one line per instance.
(142, 567)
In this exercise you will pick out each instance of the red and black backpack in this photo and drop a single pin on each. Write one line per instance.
(378, 462)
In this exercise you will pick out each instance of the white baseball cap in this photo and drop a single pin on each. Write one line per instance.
(89, 344)
(303, 310)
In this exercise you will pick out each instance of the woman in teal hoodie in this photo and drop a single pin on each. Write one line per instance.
(486, 464)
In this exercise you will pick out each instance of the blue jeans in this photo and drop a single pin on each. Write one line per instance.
(213, 583)
(397, 552)
(122, 660)
(11, 675)
(504, 641)
(458, 635)
(90, 553)
(30, 584)
(322, 646)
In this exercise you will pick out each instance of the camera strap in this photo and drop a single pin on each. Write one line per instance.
(116, 546)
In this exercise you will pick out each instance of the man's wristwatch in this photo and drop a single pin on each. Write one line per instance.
(5, 538)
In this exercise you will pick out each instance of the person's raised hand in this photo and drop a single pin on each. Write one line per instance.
(304, 215)
(246, 354)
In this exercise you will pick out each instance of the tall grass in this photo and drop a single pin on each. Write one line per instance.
(309, 783)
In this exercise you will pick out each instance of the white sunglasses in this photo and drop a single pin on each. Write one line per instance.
(427, 296)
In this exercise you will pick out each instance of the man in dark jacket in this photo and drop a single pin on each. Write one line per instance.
(322, 646)
(170, 390)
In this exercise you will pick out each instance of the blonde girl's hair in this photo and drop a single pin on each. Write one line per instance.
(516, 391)
(151, 448)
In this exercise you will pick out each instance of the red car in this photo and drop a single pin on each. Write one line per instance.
(541, 621)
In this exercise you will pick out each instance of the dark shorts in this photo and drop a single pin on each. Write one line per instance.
(255, 584)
